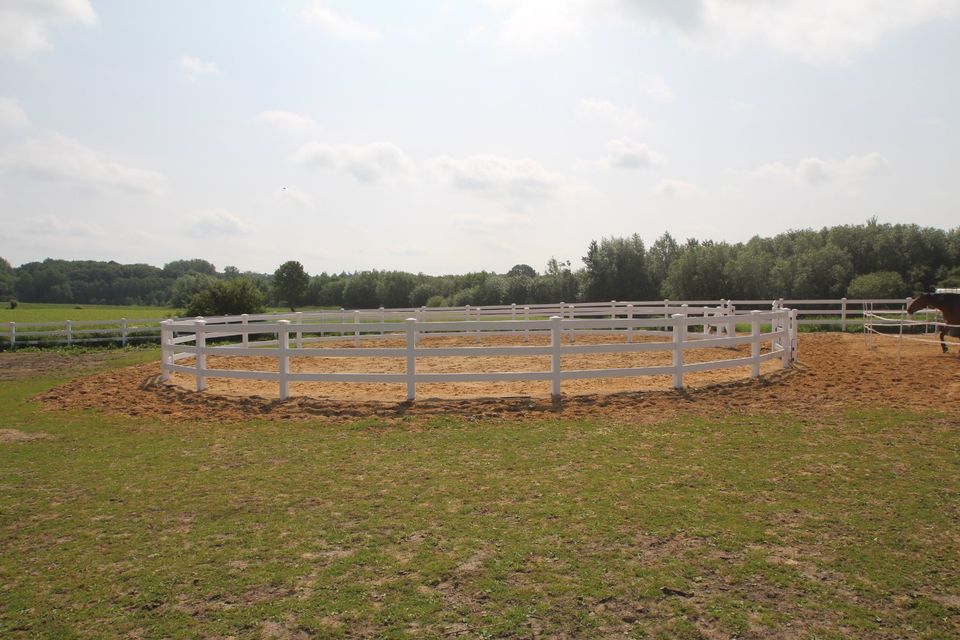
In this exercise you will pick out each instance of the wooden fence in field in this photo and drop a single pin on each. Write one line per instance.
(675, 329)
(842, 314)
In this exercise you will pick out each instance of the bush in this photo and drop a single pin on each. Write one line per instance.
(227, 298)
(13, 303)
(436, 301)
(879, 284)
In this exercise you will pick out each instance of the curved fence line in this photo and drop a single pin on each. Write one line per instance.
(841, 313)
(693, 328)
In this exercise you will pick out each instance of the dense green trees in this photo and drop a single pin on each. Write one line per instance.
(848, 260)
(879, 284)
(290, 282)
(228, 297)
(7, 281)
(616, 269)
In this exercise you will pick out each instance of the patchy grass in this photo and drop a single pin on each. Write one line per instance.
(842, 525)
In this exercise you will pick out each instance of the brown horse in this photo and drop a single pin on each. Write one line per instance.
(949, 306)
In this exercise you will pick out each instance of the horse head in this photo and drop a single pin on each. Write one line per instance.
(922, 301)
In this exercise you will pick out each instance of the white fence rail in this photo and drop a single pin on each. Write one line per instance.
(78, 332)
(840, 314)
(690, 328)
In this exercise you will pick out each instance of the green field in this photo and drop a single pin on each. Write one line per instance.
(843, 525)
(40, 312)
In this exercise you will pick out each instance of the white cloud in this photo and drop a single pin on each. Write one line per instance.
(12, 115)
(517, 179)
(596, 110)
(742, 107)
(814, 171)
(216, 222)
(53, 157)
(338, 25)
(537, 27)
(294, 196)
(656, 87)
(195, 67)
(813, 31)
(288, 121)
(25, 25)
(52, 225)
(367, 163)
(672, 188)
(629, 154)
(817, 32)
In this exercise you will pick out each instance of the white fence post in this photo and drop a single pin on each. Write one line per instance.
(283, 343)
(299, 329)
(629, 323)
(383, 318)
(356, 330)
(784, 339)
(245, 320)
(755, 343)
(794, 322)
(526, 332)
(476, 335)
(13, 336)
(166, 349)
(843, 314)
(679, 335)
(555, 339)
(200, 342)
(69, 332)
(123, 332)
(411, 330)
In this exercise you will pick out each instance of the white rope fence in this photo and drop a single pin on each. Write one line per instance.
(900, 322)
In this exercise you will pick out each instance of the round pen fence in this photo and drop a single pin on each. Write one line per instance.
(744, 339)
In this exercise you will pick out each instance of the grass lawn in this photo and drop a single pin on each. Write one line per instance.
(844, 525)
(41, 312)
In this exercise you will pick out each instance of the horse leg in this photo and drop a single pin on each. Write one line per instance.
(943, 342)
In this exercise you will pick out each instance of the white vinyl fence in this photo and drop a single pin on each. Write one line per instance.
(842, 314)
(79, 332)
(680, 328)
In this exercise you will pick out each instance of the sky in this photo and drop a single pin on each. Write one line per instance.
(444, 136)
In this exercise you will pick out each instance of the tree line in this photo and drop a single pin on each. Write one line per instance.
(858, 261)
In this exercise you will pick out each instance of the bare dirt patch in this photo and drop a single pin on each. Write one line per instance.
(835, 372)
(26, 364)
(15, 435)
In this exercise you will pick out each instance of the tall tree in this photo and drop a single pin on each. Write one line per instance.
(290, 283)
(7, 279)
(617, 270)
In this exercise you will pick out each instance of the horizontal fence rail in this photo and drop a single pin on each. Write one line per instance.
(842, 314)
(679, 329)
(79, 332)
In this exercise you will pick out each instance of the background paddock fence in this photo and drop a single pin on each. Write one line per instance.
(122, 332)
(678, 329)
(839, 314)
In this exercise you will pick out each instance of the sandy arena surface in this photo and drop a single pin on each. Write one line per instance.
(835, 372)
